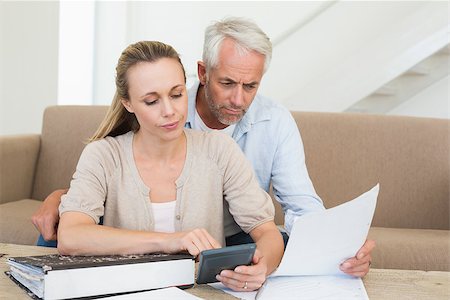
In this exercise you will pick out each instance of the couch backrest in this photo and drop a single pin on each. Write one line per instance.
(65, 130)
(346, 154)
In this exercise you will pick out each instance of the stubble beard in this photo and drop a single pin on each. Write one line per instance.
(216, 110)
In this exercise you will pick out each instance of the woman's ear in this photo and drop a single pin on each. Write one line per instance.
(127, 105)
(201, 71)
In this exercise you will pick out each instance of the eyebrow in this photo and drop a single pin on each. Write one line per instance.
(231, 80)
(155, 93)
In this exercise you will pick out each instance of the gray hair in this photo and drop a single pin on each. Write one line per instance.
(246, 34)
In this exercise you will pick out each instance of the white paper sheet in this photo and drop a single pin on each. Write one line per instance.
(320, 242)
(171, 293)
(333, 287)
(240, 295)
(313, 287)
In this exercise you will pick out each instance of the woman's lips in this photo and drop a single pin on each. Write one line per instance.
(171, 125)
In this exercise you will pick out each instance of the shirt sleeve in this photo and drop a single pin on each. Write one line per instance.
(248, 203)
(87, 192)
(292, 186)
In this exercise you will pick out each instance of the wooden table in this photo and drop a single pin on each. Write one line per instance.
(380, 284)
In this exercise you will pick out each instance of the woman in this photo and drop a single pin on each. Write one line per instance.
(158, 186)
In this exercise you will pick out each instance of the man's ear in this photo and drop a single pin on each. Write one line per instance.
(201, 71)
(126, 104)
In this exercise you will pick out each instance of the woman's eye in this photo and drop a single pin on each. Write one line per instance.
(177, 96)
(150, 102)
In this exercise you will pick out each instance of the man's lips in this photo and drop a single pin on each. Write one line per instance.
(232, 111)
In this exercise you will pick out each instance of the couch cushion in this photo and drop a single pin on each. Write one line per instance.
(18, 213)
(18, 156)
(65, 131)
(347, 154)
(412, 249)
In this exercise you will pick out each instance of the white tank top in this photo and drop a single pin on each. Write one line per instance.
(164, 216)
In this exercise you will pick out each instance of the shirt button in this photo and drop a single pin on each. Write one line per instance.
(178, 217)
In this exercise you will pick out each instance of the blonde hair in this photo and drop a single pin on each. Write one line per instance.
(118, 120)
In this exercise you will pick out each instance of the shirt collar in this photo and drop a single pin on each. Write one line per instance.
(192, 97)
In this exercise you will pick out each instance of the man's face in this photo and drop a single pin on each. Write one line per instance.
(231, 86)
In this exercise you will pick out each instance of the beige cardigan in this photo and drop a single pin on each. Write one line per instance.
(107, 183)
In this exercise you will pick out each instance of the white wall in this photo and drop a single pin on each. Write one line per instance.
(76, 52)
(432, 102)
(307, 66)
(352, 49)
(110, 39)
(182, 25)
(29, 64)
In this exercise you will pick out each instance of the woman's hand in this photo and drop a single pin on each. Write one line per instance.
(269, 250)
(194, 242)
(245, 278)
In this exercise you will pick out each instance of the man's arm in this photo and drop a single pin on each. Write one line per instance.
(292, 186)
(46, 218)
(294, 190)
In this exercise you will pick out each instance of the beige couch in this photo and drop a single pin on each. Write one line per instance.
(346, 155)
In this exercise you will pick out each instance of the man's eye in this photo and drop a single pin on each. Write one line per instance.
(249, 87)
(227, 83)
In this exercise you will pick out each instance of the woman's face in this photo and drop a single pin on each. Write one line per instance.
(158, 97)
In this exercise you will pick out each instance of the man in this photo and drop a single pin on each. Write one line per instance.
(235, 56)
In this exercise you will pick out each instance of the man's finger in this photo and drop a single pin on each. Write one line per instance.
(48, 231)
(358, 274)
(366, 249)
(351, 262)
(358, 268)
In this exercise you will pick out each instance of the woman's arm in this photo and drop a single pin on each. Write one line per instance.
(253, 210)
(269, 251)
(79, 235)
(270, 243)
(84, 204)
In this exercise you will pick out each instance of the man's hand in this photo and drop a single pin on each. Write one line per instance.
(46, 218)
(245, 278)
(360, 264)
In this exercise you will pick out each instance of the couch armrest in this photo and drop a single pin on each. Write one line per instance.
(18, 159)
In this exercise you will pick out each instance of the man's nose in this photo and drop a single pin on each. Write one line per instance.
(237, 98)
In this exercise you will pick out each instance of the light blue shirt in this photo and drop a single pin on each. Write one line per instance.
(270, 139)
